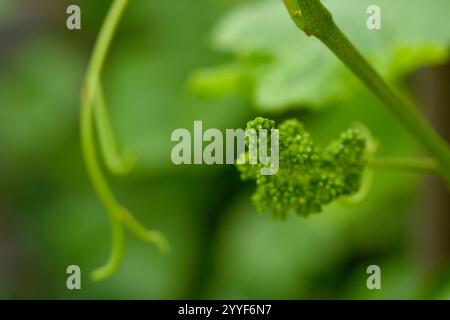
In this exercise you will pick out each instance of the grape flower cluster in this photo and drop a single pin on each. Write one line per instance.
(308, 178)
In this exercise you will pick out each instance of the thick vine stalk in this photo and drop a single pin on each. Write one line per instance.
(315, 20)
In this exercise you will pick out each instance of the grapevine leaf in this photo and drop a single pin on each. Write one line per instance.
(303, 73)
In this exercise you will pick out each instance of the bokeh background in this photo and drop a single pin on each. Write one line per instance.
(223, 62)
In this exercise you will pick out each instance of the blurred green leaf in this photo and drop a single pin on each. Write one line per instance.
(303, 73)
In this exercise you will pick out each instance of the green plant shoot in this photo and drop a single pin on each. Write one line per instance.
(94, 113)
(317, 21)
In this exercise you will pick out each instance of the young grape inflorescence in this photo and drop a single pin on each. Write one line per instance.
(308, 178)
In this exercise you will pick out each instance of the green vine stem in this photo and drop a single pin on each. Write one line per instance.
(117, 164)
(314, 19)
(94, 112)
(426, 164)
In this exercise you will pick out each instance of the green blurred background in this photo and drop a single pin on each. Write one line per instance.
(223, 62)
